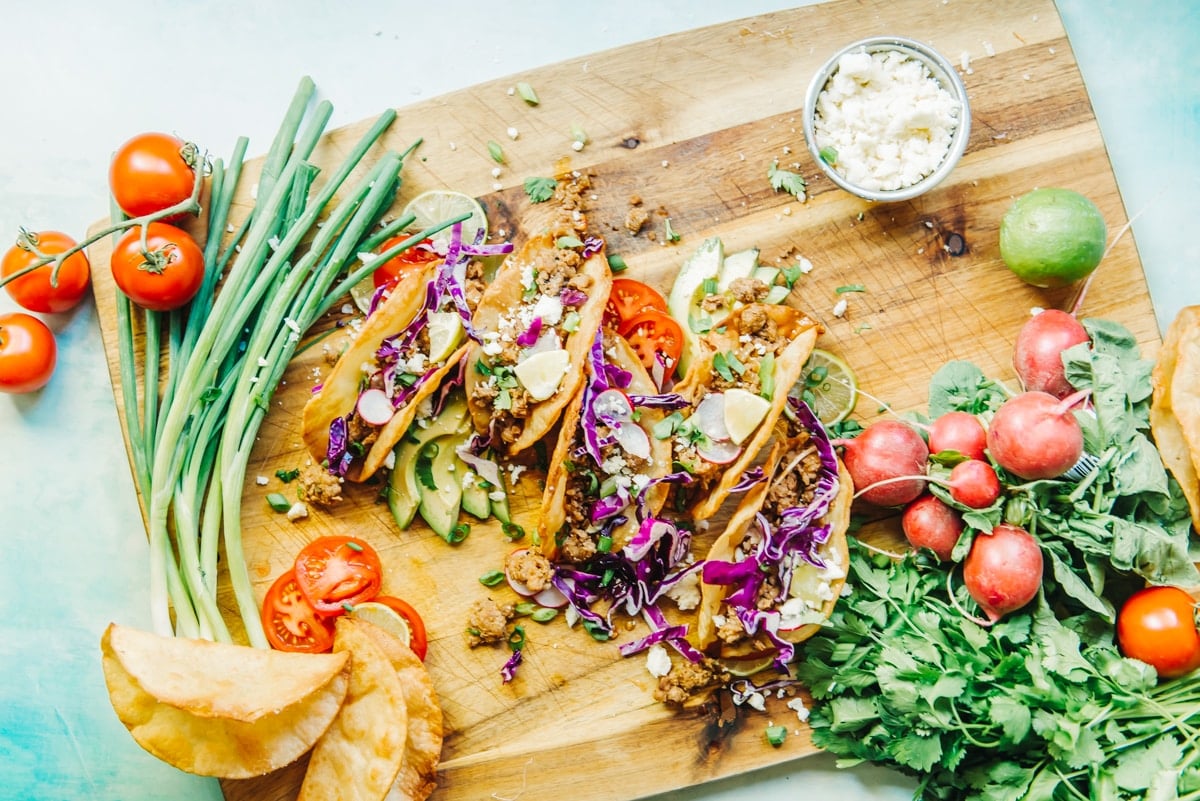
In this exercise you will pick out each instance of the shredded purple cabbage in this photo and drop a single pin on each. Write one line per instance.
(572, 297)
(749, 479)
(530, 335)
(662, 631)
(508, 671)
(670, 401)
(591, 246)
(338, 454)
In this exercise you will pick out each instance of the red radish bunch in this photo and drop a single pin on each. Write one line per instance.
(958, 431)
(1037, 357)
(1035, 435)
(887, 462)
(929, 523)
(1003, 570)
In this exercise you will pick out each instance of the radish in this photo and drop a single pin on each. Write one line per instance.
(958, 431)
(374, 407)
(974, 483)
(1037, 357)
(889, 454)
(1003, 570)
(1034, 435)
(929, 523)
(547, 595)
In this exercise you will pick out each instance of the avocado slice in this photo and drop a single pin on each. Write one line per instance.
(475, 500)
(439, 481)
(683, 301)
(741, 264)
(403, 494)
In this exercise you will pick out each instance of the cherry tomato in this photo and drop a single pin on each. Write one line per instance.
(419, 639)
(152, 172)
(34, 290)
(629, 298)
(290, 622)
(28, 353)
(653, 332)
(336, 570)
(402, 264)
(1158, 626)
(164, 276)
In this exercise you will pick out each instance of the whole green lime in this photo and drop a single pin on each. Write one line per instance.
(1052, 237)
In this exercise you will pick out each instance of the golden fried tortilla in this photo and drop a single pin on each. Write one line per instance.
(1175, 405)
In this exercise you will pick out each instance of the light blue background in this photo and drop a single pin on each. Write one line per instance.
(77, 77)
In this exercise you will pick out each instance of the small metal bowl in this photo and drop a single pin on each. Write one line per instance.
(941, 70)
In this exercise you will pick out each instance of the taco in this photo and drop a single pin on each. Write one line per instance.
(536, 321)
(774, 575)
(607, 469)
(736, 385)
(400, 355)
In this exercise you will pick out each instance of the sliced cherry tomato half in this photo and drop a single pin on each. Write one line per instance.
(337, 570)
(629, 298)
(290, 622)
(654, 332)
(418, 638)
(403, 263)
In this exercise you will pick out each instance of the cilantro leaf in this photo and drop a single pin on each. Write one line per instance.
(787, 181)
(539, 190)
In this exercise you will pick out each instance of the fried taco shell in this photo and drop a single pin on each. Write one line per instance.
(1175, 406)
(566, 499)
(549, 283)
(339, 392)
(749, 335)
(797, 479)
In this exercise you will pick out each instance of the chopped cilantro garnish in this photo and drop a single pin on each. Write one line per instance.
(491, 578)
(568, 242)
(786, 181)
(287, 476)
(539, 190)
(791, 274)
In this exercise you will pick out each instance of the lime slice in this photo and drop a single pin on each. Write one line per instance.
(542, 373)
(429, 209)
(445, 334)
(385, 617)
(743, 412)
(747, 665)
(438, 205)
(828, 385)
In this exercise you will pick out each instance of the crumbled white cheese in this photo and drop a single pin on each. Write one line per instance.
(887, 117)
(805, 265)
(797, 705)
(497, 172)
(577, 146)
(839, 308)
(260, 481)
(389, 461)
(513, 133)
(686, 592)
(549, 308)
(658, 661)
(527, 277)
(757, 700)
(515, 471)
(297, 511)
(497, 495)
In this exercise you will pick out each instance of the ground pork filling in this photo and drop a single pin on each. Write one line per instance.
(579, 537)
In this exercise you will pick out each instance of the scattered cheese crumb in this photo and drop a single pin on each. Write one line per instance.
(577, 146)
(453, 146)
(839, 308)
(512, 132)
(666, 163)
(496, 172)
(347, 308)
(260, 481)
(297, 511)
(658, 661)
(497, 186)
(797, 705)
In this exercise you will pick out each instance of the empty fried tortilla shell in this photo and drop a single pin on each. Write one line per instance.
(221, 710)
(340, 389)
(1175, 406)
(800, 333)
(359, 756)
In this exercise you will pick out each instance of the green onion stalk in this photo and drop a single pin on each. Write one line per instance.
(192, 430)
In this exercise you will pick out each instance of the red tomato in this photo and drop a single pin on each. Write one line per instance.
(166, 275)
(290, 622)
(629, 298)
(402, 264)
(28, 353)
(1158, 626)
(419, 641)
(34, 290)
(653, 332)
(152, 172)
(337, 570)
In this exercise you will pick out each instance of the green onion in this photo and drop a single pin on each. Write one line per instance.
(828, 155)
(776, 735)
(670, 232)
(544, 614)
(841, 290)
(568, 242)
(278, 502)
(527, 93)
(287, 476)
(458, 533)
(604, 544)
(516, 638)
(512, 531)
(354, 546)
(525, 608)
(495, 151)
(491, 578)
(616, 262)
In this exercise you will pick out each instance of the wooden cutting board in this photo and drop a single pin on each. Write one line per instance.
(691, 123)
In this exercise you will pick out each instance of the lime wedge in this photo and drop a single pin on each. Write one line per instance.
(445, 334)
(743, 412)
(541, 373)
(438, 205)
(828, 385)
(385, 617)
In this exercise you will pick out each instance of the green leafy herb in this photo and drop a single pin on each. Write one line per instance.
(527, 93)
(288, 476)
(424, 466)
(539, 190)
(503, 400)
(791, 274)
(786, 181)
(525, 608)
(597, 630)
(721, 366)
(495, 151)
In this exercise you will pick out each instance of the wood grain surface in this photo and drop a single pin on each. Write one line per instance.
(691, 123)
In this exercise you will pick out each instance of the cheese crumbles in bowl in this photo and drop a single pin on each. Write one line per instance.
(886, 118)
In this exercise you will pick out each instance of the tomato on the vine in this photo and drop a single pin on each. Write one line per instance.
(334, 571)
(152, 172)
(628, 298)
(164, 276)
(28, 353)
(403, 264)
(290, 622)
(34, 290)
(654, 332)
(418, 639)
(1158, 626)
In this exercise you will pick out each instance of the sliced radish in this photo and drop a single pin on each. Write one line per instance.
(520, 587)
(375, 407)
(710, 417)
(633, 439)
(718, 451)
(551, 597)
(612, 404)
